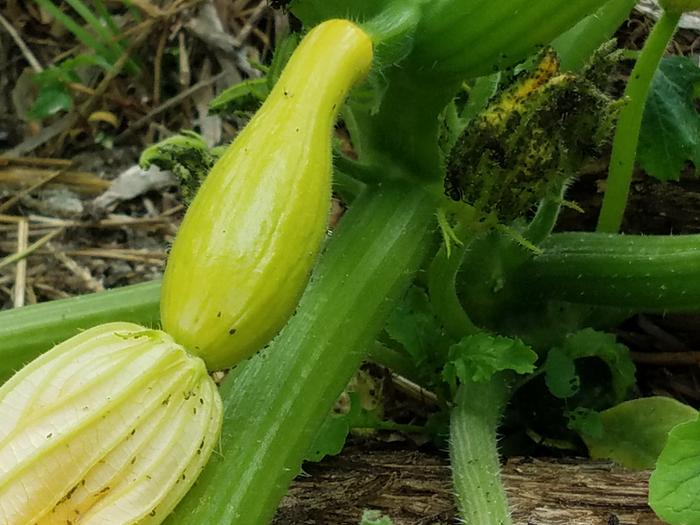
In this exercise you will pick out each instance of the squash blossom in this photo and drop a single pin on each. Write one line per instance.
(250, 238)
(112, 426)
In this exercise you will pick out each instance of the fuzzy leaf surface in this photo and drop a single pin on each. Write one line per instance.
(635, 432)
(675, 484)
(478, 357)
(414, 325)
(563, 380)
(670, 134)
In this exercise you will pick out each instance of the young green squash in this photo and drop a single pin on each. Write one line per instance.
(249, 240)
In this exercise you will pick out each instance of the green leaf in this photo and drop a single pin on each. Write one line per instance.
(83, 61)
(283, 51)
(54, 95)
(67, 71)
(578, 44)
(670, 134)
(186, 155)
(478, 357)
(243, 97)
(52, 98)
(481, 92)
(560, 374)
(330, 438)
(590, 343)
(586, 422)
(414, 325)
(635, 432)
(675, 484)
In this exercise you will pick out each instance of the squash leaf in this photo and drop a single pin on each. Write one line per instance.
(562, 377)
(675, 484)
(670, 134)
(635, 432)
(414, 326)
(478, 357)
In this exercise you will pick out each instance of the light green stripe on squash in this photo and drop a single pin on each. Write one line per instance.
(246, 247)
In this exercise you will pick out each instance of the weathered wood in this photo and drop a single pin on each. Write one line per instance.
(413, 488)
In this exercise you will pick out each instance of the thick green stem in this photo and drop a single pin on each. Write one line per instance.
(362, 173)
(470, 38)
(442, 285)
(403, 141)
(577, 45)
(275, 402)
(640, 273)
(544, 221)
(395, 360)
(29, 331)
(476, 470)
(630, 122)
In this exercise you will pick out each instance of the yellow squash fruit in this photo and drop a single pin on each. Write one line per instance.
(249, 240)
(111, 427)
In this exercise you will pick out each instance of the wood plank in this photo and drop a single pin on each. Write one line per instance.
(413, 488)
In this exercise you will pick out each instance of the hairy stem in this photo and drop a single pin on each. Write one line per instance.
(641, 273)
(476, 470)
(629, 124)
(275, 402)
(578, 44)
(397, 361)
(442, 276)
(29, 331)
(545, 219)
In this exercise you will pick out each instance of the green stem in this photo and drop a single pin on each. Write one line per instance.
(395, 360)
(630, 122)
(470, 38)
(27, 332)
(442, 285)
(103, 32)
(276, 401)
(476, 470)
(578, 44)
(346, 187)
(544, 221)
(361, 172)
(400, 141)
(642, 273)
(102, 10)
(393, 25)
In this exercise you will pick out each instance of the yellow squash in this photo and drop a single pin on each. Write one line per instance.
(249, 240)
